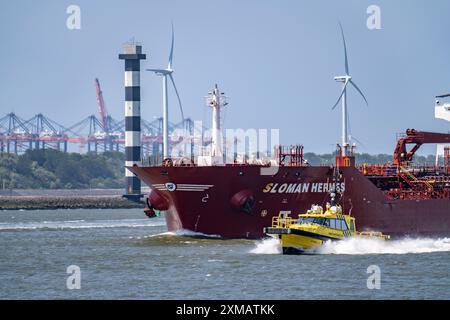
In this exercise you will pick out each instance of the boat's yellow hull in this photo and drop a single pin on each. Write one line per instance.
(295, 244)
(312, 229)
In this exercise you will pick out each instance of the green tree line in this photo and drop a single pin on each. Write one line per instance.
(50, 169)
(360, 158)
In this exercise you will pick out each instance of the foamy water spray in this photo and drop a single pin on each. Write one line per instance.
(267, 246)
(355, 246)
(358, 246)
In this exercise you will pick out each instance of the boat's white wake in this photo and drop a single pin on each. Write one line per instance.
(377, 246)
(267, 246)
(358, 246)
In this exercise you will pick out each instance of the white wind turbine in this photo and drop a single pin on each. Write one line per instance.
(164, 73)
(345, 79)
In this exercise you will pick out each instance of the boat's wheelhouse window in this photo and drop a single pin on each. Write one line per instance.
(322, 222)
(338, 224)
(319, 221)
(333, 223)
(352, 225)
(305, 220)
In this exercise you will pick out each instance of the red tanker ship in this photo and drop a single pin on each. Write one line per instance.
(239, 200)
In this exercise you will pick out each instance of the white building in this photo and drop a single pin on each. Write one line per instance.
(441, 111)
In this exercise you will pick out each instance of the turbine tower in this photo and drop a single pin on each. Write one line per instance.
(164, 73)
(345, 80)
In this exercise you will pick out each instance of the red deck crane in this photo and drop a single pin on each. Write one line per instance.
(402, 155)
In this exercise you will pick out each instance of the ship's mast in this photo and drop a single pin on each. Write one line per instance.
(216, 100)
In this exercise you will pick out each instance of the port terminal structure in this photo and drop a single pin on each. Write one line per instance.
(87, 135)
(94, 133)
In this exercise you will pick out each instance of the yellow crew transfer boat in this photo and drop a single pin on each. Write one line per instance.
(314, 228)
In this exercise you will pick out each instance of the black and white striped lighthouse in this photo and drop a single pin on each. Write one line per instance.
(132, 54)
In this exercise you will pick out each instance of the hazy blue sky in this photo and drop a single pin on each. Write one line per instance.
(274, 59)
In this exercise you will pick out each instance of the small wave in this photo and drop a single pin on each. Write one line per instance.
(65, 221)
(186, 233)
(79, 224)
(267, 246)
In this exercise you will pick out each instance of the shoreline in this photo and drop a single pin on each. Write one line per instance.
(67, 202)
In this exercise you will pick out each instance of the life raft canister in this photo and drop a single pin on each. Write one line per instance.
(156, 201)
(243, 201)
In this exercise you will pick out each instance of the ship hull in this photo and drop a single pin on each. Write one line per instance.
(207, 200)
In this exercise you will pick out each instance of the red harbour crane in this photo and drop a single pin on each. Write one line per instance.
(101, 107)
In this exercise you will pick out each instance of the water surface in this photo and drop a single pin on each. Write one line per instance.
(124, 255)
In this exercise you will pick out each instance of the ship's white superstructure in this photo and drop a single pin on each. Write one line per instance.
(441, 111)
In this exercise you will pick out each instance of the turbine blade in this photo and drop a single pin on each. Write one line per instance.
(345, 49)
(178, 96)
(360, 92)
(359, 142)
(171, 50)
(340, 96)
(157, 70)
(350, 135)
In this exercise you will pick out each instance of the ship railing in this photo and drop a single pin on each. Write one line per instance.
(436, 179)
(411, 178)
(282, 222)
(399, 194)
(152, 160)
(424, 169)
(385, 170)
(388, 170)
(158, 160)
(290, 156)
